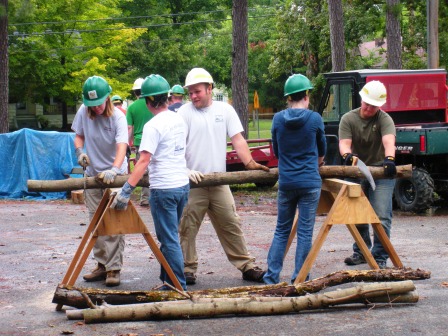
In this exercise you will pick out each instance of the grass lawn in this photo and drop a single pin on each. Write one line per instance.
(262, 130)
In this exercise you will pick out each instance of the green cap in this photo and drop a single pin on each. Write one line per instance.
(95, 91)
(116, 98)
(177, 90)
(154, 85)
(296, 83)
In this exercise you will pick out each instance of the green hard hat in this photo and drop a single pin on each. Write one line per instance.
(95, 91)
(296, 83)
(154, 85)
(115, 98)
(177, 90)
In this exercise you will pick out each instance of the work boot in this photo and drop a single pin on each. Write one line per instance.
(355, 259)
(382, 264)
(113, 278)
(254, 274)
(190, 278)
(99, 273)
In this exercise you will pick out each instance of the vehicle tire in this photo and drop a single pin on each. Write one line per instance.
(265, 185)
(415, 194)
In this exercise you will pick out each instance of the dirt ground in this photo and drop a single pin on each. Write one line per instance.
(39, 238)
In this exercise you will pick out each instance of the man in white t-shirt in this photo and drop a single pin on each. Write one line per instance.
(208, 125)
(163, 149)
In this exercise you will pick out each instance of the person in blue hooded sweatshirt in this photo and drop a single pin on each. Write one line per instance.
(298, 140)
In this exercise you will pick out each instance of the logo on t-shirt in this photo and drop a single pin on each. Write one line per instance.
(219, 118)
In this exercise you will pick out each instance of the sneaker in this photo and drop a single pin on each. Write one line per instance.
(113, 278)
(382, 264)
(190, 278)
(355, 259)
(254, 274)
(144, 203)
(98, 274)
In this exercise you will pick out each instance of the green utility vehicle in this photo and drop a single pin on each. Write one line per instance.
(417, 102)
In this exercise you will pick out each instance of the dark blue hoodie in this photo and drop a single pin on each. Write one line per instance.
(298, 138)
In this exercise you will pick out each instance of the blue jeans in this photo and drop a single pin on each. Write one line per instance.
(381, 201)
(306, 201)
(166, 209)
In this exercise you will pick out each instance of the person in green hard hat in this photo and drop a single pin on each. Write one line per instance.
(137, 116)
(102, 130)
(176, 97)
(162, 151)
(118, 103)
(298, 140)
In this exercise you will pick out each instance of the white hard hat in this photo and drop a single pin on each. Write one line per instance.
(198, 75)
(374, 93)
(138, 84)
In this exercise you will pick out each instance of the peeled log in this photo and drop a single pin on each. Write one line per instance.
(212, 179)
(244, 306)
(71, 296)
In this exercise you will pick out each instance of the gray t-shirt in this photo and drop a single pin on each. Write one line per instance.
(366, 134)
(101, 136)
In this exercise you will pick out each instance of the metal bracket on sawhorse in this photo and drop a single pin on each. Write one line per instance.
(345, 203)
(105, 222)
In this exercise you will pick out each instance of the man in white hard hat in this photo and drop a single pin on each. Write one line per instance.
(209, 123)
(137, 116)
(369, 133)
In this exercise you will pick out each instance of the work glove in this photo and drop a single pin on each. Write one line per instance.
(348, 158)
(390, 170)
(252, 165)
(108, 176)
(195, 176)
(83, 159)
(122, 197)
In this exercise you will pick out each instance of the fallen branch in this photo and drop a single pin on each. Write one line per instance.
(212, 179)
(245, 306)
(72, 296)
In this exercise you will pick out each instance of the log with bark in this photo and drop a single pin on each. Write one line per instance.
(73, 296)
(212, 179)
(249, 306)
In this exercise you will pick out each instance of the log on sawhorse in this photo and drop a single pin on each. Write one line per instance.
(106, 222)
(345, 203)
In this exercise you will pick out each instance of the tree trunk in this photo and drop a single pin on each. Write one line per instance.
(73, 296)
(4, 81)
(245, 306)
(337, 35)
(240, 97)
(393, 34)
(432, 12)
(212, 179)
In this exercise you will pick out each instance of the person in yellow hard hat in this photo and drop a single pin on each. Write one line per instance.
(209, 123)
(369, 133)
(102, 130)
(137, 116)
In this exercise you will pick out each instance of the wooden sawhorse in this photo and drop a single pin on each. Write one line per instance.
(105, 222)
(345, 203)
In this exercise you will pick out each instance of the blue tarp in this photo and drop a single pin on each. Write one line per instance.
(34, 155)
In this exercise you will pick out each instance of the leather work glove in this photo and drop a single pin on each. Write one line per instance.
(390, 170)
(108, 176)
(252, 165)
(83, 159)
(122, 198)
(348, 158)
(195, 176)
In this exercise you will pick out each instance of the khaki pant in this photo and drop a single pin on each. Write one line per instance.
(219, 204)
(108, 250)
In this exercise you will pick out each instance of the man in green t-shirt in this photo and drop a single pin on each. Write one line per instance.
(369, 133)
(137, 116)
